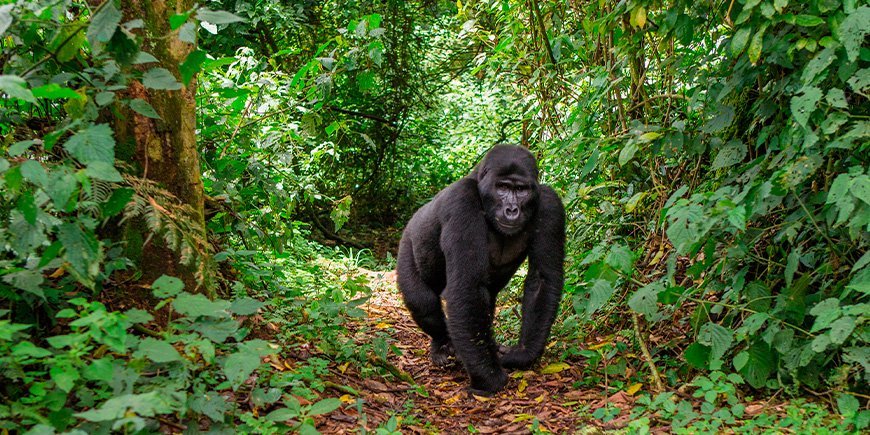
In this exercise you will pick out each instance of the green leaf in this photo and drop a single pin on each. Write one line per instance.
(93, 144)
(760, 363)
(740, 360)
(697, 355)
(60, 187)
(599, 294)
(755, 45)
(26, 204)
(33, 171)
(627, 153)
(620, 258)
(199, 305)
(324, 406)
(245, 306)
(104, 23)
(142, 107)
(217, 17)
(167, 286)
(861, 188)
(103, 171)
(739, 40)
(730, 154)
(805, 20)
(192, 65)
(841, 329)
(158, 351)
(791, 266)
(818, 64)
(28, 349)
(848, 405)
(826, 312)
(147, 405)
(18, 148)
(160, 78)
(81, 250)
(282, 414)
(27, 280)
(837, 98)
(802, 106)
(116, 203)
(100, 370)
(718, 337)
(5, 17)
(644, 300)
(64, 375)
(177, 20)
(853, 30)
(16, 87)
(238, 366)
(53, 91)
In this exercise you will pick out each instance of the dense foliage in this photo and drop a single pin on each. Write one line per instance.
(712, 156)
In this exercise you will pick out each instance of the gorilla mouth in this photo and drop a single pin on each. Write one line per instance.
(508, 226)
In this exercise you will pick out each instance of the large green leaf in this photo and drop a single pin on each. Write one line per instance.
(238, 366)
(803, 105)
(160, 78)
(81, 250)
(104, 23)
(93, 144)
(196, 305)
(853, 30)
(158, 351)
(718, 337)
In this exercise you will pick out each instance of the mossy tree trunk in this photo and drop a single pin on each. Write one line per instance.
(164, 151)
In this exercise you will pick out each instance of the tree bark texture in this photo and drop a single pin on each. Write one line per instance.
(165, 150)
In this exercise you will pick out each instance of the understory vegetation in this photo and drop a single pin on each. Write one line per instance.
(200, 202)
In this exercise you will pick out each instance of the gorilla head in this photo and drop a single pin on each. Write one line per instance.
(508, 182)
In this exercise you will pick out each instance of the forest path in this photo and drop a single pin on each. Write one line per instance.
(449, 408)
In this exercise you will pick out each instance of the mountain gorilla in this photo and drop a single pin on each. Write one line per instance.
(465, 245)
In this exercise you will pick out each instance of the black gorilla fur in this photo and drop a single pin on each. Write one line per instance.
(466, 244)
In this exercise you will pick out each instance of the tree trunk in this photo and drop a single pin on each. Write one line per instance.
(163, 151)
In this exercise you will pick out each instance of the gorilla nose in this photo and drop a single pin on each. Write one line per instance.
(512, 212)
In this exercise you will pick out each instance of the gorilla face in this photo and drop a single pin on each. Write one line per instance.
(508, 185)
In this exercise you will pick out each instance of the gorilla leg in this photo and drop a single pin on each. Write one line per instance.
(425, 306)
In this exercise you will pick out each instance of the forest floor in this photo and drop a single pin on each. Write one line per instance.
(543, 399)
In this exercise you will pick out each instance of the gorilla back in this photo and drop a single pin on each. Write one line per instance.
(465, 245)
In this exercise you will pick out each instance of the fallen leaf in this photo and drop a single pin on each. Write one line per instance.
(522, 386)
(554, 368)
(633, 389)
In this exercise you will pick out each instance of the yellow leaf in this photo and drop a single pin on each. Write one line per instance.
(649, 136)
(554, 368)
(481, 398)
(599, 345)
(633, 389)
(382, 325)
(541, 398)
(638, 17)
(523, 417)
(521, 374)
(343, 368)
(347, 399)
(522, 386)
(452, 400)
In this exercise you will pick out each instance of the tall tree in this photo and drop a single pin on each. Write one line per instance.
(162, 147)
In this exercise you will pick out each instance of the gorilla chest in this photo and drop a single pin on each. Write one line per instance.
(507, 251)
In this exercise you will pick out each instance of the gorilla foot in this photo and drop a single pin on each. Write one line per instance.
(441, 354)
(490, 386)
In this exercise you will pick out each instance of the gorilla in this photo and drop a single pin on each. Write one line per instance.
(465, 245)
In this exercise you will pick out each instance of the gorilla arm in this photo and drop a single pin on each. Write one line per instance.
(543, 286)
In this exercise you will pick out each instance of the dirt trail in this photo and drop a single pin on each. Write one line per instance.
(449, 408)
